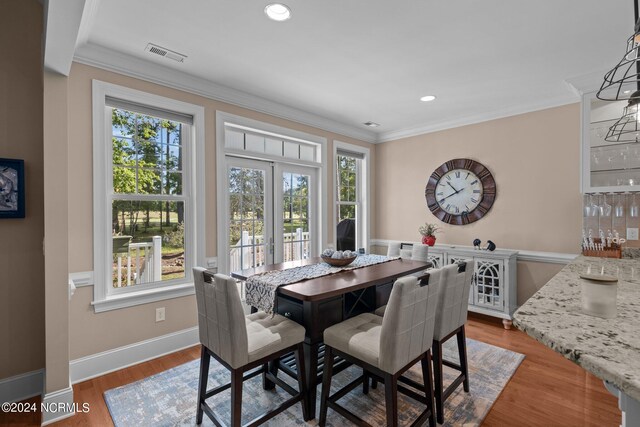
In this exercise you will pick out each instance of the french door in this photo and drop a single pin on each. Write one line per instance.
(271, 213)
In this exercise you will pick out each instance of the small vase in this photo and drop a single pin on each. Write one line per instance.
(429, 240)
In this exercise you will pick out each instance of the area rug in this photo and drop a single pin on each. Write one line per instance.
(169, 398)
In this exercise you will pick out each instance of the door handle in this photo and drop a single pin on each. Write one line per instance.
(271, 245)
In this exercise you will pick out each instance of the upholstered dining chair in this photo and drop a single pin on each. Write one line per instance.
(393, 249)
(242, 343)
(387, 347)
(450, 319)
(416, 252)
(420, 252)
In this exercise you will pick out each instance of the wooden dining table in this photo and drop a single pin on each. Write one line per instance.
(324, 301)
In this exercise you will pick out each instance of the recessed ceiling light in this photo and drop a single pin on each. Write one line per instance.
(371, 124)
(627, 91)
(427, 98)
(278, 11)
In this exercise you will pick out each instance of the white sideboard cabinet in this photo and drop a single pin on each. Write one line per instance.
(494, 291)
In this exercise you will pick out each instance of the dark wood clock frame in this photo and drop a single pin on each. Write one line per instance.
(488, 191)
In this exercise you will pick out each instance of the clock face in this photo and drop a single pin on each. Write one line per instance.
(460, 191)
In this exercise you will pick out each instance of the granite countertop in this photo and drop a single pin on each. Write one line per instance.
(608, 348)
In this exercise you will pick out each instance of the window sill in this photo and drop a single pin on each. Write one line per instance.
(130, 299)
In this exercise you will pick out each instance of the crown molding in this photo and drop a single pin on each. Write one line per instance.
(558, 101)
(586, 83)
(117, 62)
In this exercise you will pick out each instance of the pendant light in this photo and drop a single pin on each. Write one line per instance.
(627, 128)
(623, 81)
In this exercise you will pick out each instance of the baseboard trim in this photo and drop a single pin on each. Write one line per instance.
(60, 404)
(533, 256)
(23, 386)
(108, 361)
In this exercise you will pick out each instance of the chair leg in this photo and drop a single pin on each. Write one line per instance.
(326, 385)
(374, 383)
(202, 382)
(462, 352)
(302, 381)
(266, 384)
(236, 397)
(437, 377)
(428, 387)
(391, 399)
(365, 382)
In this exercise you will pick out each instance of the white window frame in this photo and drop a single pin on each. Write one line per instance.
(222, 120)
(105, 297)
(363, 194)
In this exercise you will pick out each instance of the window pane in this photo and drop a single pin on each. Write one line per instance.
(346, 228)
(142, 143)
(148, 242)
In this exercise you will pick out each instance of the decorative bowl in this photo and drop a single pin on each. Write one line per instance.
(338, 262)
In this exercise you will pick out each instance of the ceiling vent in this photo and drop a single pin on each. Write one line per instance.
(162, 51)
(371, 124)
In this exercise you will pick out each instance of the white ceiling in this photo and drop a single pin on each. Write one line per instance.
(351, 61)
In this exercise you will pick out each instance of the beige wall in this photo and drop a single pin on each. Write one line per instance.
(21, 257)
(535, 159)
(90, 332)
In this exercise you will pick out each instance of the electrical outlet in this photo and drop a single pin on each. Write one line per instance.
(632, 234)
(160, 314)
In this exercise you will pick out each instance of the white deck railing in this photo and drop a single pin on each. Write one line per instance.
(144, 263)
(241, 255)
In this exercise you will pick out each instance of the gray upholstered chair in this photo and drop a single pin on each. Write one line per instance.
(416, 252)
(241, 344)
(450, 319)
(387, 347)
(420, 252)
(393, 250)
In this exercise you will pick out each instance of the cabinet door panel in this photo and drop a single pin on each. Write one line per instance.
(488, 284)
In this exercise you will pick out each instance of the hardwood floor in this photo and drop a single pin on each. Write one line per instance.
(546, 390)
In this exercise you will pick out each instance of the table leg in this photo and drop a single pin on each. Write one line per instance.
(311, 368)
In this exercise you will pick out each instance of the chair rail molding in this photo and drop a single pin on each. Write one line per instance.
(533, 256)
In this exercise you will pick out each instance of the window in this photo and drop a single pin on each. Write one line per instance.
(351, 196)
(146, 215)
(271, 191)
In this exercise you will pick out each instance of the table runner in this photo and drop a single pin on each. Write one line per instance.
(262, 289)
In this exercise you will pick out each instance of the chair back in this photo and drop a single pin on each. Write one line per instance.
(407, 325)
(454, 298)
(393, 250)
(221, 320)
(420, 252)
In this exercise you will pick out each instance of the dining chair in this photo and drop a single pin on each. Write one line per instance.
(420, 252)
(416, 252)
(387, 347)
(393, 249)
(451, 317)
(241, 343)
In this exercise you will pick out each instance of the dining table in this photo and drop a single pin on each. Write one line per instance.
(321, 302)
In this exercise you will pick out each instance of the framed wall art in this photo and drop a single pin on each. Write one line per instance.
(11, 188)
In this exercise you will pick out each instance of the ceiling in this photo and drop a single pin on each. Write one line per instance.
(351, 61)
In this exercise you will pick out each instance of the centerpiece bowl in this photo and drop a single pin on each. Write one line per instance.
(338, 262)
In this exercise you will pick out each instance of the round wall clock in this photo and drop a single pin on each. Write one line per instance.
(460, 191)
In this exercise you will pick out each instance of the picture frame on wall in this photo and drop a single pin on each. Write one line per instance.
(12, 188)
